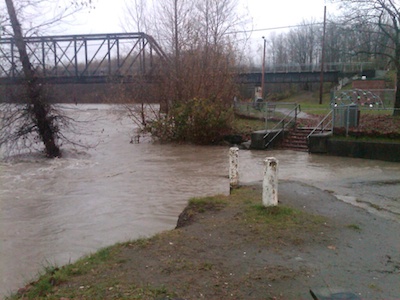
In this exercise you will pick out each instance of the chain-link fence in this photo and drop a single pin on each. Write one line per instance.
(270, 112)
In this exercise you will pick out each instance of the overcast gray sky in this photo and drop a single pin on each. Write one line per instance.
(106, 18)
(265, 15)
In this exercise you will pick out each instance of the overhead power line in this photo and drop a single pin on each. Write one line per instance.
(273, 28)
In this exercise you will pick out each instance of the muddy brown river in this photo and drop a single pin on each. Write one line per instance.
(55, 211)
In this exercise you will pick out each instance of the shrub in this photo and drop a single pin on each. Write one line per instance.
(198, 121)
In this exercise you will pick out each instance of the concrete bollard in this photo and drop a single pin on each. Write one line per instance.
(270, 182)
(233, 167)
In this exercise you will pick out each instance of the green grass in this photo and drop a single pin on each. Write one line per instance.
(354, 227)
(315, 108)
(281, 217)
(207, 203)
(48, 284)
(53, 275)
(247, 126)
(278, 217)
(374, 286)
(277, 212)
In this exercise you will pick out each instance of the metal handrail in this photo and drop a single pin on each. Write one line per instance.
(320, 124)
(284, 124)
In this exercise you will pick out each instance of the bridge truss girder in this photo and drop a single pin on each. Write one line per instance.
(81, 58)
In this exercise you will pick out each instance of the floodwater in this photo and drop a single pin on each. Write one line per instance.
(55, 211)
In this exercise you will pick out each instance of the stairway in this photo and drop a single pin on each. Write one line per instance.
(296, 139)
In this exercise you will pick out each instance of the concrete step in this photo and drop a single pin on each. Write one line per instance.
(294, 145)
(296, 139)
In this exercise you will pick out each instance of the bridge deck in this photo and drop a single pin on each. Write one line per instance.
(289, 77)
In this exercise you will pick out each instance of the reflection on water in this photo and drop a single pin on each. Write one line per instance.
(54, 211)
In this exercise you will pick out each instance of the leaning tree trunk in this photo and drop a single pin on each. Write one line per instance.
(396, 111)
(40, 111)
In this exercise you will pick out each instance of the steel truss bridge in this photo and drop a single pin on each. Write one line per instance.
(119, 57)
(89, 58)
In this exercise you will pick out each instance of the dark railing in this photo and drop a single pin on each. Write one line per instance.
(325, 125)
(290, 119)
(287, 77)
(343, 67)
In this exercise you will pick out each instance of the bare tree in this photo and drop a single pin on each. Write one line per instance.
(136, 16)
(193, 33)
(278, 50)
(176, 26)
(36, 109)
(380, 18)
(199, 38)
(217, 20)
(36, 117)
(335, 41)
(39, 16)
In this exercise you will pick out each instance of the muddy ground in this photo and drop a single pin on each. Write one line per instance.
(222, 251)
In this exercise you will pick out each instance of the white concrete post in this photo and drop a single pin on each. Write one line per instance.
(233, 167)
(270, 182)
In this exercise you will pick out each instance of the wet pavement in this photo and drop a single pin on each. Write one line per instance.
(371, 184)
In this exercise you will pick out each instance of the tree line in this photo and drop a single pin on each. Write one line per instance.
(344, 45)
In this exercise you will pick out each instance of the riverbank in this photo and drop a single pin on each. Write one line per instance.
(229, 247)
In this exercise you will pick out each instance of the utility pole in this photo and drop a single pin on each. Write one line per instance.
(321, 84)
(263, 70)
